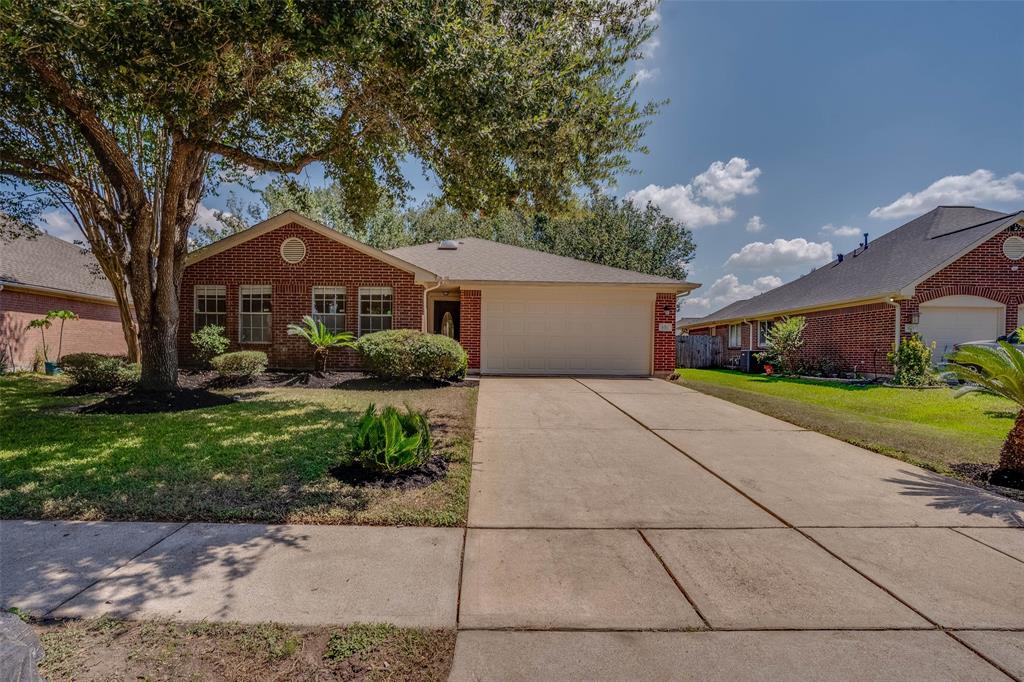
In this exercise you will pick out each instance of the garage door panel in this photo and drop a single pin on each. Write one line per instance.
(566, 331)
(954, 320)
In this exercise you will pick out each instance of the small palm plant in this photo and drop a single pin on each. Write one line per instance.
(63, 316)
(42, 324)
(321, 338)
(998, 370)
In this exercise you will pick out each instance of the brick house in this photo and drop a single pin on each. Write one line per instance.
(515, 310)
(950, 275)
(41, 274)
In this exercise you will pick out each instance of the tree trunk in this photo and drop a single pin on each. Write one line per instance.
(1011, 459)
(158, 343)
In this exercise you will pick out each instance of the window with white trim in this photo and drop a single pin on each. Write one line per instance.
(762, 332)
(374, 309)
(329, 307)
(254, 314)
(209, 306)
(735, 335)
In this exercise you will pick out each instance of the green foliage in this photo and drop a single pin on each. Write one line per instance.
(391, 441)
(243, 364)
(321, 338)
(357, 639)
(412, 354)
(209, 342)
(995, 370)
(784, 340)
(98, 372)
(912, 362)
(42, 324)
(63, 316)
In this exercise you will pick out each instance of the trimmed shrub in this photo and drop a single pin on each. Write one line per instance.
(100, 372)
(391, 441)
(785, 338)
(243, 364)
(209, 342)
(912, 363)
(411, 354)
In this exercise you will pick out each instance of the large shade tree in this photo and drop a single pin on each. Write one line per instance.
(126, 111)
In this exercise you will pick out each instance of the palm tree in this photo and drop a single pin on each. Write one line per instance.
(321, 338)
(63, 316)
(998, 370)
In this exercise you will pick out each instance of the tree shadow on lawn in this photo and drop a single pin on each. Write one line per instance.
(259, 460)
(946, 493)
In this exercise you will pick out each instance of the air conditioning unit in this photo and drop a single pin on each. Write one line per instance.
(749, 363)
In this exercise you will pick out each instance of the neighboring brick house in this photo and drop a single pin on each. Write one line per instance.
(516, 311)
(42, 273)
(950, 275)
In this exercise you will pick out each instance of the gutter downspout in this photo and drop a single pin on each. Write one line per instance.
(427, 290)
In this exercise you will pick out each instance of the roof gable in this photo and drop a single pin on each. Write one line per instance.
(47, 263)
(290, 217)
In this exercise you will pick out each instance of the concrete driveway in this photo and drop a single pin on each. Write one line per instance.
(634, 529)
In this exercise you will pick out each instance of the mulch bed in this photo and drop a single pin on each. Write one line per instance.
(434, 469)
(349, 381)
(982, 475)
(150, 403)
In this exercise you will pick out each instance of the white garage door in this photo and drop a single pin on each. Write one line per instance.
(954, 319)
(565, 330)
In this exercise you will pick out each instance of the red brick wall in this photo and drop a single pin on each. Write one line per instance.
(665, 342)
(859, 337)
(327, 263)
(469, 326)
(97, 331)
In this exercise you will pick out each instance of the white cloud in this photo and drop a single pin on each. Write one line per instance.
(723, 182)
(979, 187)
(207, 217)
(703, 201)
(59, 223)
(781, 253)
(724, 291)
(643, 75)
(755, 224)
(841, 231)
(651, 46)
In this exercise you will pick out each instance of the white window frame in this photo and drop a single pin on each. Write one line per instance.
(251, 289)
(738, 341)
(330, 291)
(374, 291)
(208, 291)
(762, 332)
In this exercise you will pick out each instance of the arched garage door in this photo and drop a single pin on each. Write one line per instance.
(566, 330)
(954, 319)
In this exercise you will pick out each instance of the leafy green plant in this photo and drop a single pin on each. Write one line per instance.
(412, 354)
(784, 340)
(357, 639)
(321, 338)
(209, 342)
(912, 362)
(63, 316)
(999, 371)
(391, 441)
(42, 324)
(243, 364)
(98, 372)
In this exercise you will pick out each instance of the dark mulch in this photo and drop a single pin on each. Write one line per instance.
(986, 476)
(349, 381)
(434, 469)
(149, 403)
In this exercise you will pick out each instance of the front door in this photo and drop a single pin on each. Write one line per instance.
(446, 318)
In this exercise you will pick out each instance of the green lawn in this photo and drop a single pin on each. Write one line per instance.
(265, 458)
(926, 427)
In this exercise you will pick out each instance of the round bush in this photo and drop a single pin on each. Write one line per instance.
(99, 372)
(411, 354)
(243, 364)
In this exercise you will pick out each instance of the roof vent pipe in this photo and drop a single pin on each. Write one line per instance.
(839, 258)
(865, 240)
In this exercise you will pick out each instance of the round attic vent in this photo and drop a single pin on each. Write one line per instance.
(1013, 248)
(293, 250)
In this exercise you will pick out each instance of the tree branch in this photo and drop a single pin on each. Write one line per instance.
(258, 162)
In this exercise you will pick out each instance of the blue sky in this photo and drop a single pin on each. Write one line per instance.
(794, 127)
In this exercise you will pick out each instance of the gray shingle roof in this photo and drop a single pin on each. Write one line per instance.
(45, 261)
(481, 260)
(891, 263)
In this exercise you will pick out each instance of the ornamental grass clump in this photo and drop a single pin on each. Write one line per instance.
(391, 441)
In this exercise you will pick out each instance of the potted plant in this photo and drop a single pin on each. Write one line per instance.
(42, 324)
(321, 338)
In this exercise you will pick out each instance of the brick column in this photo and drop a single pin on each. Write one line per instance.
(469, 326)
(664, 342)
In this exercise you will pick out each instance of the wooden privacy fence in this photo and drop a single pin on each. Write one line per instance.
(699, 351)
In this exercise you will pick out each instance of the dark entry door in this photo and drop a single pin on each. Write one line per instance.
(442, 307)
